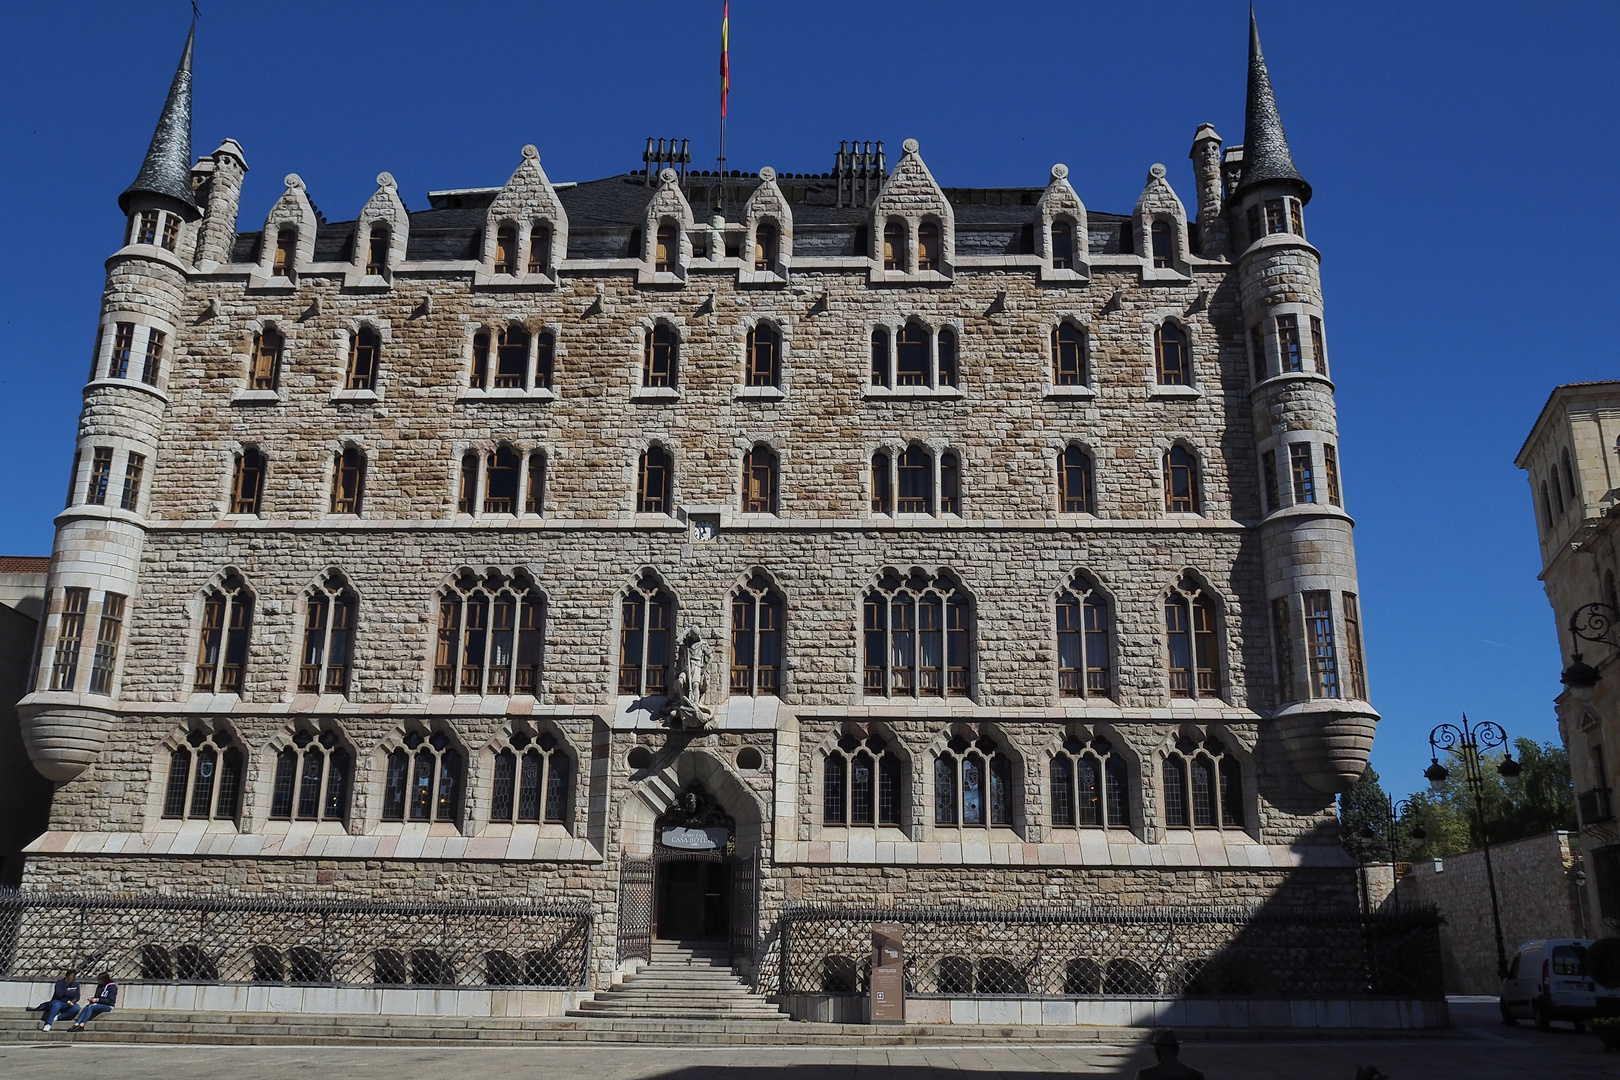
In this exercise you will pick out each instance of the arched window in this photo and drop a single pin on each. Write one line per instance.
(1062, 245)
(348, 480)
(880, 356)
(1068, 355)
(765, 245)
(916, 637)
(911, 363)
(882, 489)
(759, 481)
(265, 370)
(205, 778)
(247, 483)
(916, 480)
(1557, 489)
(539, 249)
(756, 638)
(492, 635)
(1174, 357)
(534, 495)
(286, 256)
(928, 246)
(314, 775)
(511, 358)
(467, 495)
(647, 620)
(764, 355)
(480, 364)
(328, 637)
(545, 352)
(667, 254)
(1180, 481)
(973, 784)
(1082, 634)
(862, 783)
(1546, 508)
(1194, 648)
(377, 250)
(894, 245)
(655, 482)
(534, 781)
(424, 780)
(501, 481)
(1203, 786)
(506, 249)
(1090, 785)
(1076, 493)
(946, 344)
(227, 626)
(1569, 477)
(661, 356)
(950, 484)
(365, 349)
(1163, 245)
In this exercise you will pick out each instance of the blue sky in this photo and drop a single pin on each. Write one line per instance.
(1459, 153)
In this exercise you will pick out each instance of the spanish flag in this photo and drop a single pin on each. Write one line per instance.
(725, 60)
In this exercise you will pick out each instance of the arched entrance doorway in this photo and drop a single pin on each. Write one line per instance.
(694, 846)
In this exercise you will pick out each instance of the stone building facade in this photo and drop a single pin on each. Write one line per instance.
(1572, 458)
(861, 539)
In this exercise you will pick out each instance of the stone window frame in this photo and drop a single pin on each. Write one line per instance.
(778, 389)
(1281, 445)
(1158, 204)
(527, 200)
(651, 587)
(1188, 741)
(531, 390)
(143, 324)
(1079, 584)
(931, 387)
(918, 582)
(741, 472)
(668, 206)
(911, 196)
(166, 226)
(291, 209)
(386, 209)
(1060, 203)
(937, 450)
(243, 354)
(1087, 388)
(84, 460)
(959, 740)
(636, 369)
(232, 583)
(346, 338)
(1202, 588)
(1203, 503)
(411, 738)
(758, 589)
(223, 736)
(523, 737)
(233, 462)
(332, 586)
(1152, 325)
(1077, 740)
(485, 450)
(336, 451)
(465, 587)
(1055, 453)
(1313, 366)
(304, 735)
(845, 741)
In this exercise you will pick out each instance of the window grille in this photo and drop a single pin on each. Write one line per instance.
(314, 775)
(928, 256)
(247, 485)
(1090, 785)
(146, 228)
(1068, 355)
(916, 637)
(973, 784)
(1174, 356)
(123, 346)
(764, 356)
(100, 476)
(1330, 472)
(1318, 345)
(534, 497)
(205, 778)
(533, 782)
(348, 480)
(1319, 632)
(1191, 624)
(329, 625)
(1296, 217)
(666, 257)
(1203, 786)
(467, 497)
(759, 481)
(1288, 343)
(950, 484)
(155, 341)
(1082, 635)
(863, 782)
(1180, 481)
(105, 660)
(501, 481)
(647, 621)
(227, 626)
(654, 481)
(756, 638)
(1276, 221)
(512, 358)
(365, 348)
(661, 357)
(1075, 491)
(424, 780)
(945, 348)
(69, 638)
(1354, 660)
(1299, 460)
(491, 636)
(171, 232)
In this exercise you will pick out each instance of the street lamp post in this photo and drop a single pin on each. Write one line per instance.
(1468, 741)
(1394, 813)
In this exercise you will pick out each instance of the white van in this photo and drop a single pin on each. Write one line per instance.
(1547, 981)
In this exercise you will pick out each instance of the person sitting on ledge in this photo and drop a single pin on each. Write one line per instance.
(64, 1001)
(105, 997)
(1167, 1048)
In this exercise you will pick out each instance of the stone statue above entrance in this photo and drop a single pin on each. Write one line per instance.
(689, 684)
(696, 823)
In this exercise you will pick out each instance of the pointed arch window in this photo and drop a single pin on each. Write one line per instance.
(765, 246)
(265, 372)
(247, 483)
(314, 776)
(894, 245)
(928, 256)
(1173, 355)
(917, 637)
(1068, 355)
(655, 482)
(1164, 245)
(1203, 786)
(661, 357)
(880, 356)
(491, 637)
(911, 362)
(539, 248)
(1062, 245)
(646, 625)
(348, 480)
(882, 488)
(1090, 785)
(759, 480)
(424, 780)
(1083, 626)
(506, 249)
(365, 350)
(205, 778)
(286, 256)
(377, 250)
(329, 618)
(1076, 492)
(227, 626)
(1180, 481)
(756, 639)
(533, 782)
(764, 355)
(973, 784)
(863, 782)
(1192, 624)
(667, 253)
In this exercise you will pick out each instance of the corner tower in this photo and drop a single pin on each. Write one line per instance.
(1321, 705)
(94, 576)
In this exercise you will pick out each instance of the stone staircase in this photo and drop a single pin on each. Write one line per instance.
(683, 981)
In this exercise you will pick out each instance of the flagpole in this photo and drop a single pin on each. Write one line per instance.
(725, 90)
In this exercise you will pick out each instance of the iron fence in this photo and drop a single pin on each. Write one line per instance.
(1115, 952)
(321, 942)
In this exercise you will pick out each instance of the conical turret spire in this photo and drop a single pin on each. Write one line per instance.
(1265, 147)
(167, 168)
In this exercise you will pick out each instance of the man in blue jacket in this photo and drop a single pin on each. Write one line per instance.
(64, 1001)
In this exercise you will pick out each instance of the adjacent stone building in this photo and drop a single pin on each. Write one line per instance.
(781, 537)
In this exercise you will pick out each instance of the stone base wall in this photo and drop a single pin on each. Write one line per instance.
(349, 1001)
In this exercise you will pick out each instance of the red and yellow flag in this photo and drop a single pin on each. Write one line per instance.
(725, 60)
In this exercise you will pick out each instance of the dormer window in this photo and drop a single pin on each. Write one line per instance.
(171, 232)
(377, 251)
(894, 246)
(506, 249)
(765, 246)
(1062, 246)
(928, 246)
(286, 252)
(668, 248)
(539, 249)
(1163, 246)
